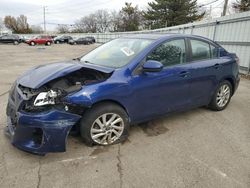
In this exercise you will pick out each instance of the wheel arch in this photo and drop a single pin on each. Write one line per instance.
(232, 82)
(112, 102)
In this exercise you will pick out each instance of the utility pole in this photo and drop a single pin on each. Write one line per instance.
(44, 20)
(225, 8)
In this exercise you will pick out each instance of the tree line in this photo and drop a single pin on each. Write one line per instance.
(159, 14)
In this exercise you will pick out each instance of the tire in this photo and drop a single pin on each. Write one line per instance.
(74, 43)
(32, 43)
(222, 96)
(57, 42)
(15, 42)
(48, 43)
(91, 131)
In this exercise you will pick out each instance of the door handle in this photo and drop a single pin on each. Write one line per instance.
(184, 74)
(216, 66)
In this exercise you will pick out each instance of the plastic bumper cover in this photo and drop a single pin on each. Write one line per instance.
(41, 133)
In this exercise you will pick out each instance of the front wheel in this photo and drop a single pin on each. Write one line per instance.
(48, 43)
(104, 124)
(222, 96)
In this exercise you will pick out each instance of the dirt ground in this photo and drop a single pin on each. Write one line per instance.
(198, 148)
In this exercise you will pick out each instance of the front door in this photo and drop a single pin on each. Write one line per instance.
(157, 93)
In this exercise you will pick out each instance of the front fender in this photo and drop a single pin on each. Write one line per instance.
(92, 94)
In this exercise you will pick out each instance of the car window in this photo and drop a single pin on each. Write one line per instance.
(200, 50)
(169, 53)
(5, 37)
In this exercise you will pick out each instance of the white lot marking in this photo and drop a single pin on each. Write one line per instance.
(75, 159)
(217, 171)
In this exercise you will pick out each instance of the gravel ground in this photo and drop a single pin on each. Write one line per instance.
(198, 148)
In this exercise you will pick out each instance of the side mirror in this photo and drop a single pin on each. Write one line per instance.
(222, 52)
(152, 66)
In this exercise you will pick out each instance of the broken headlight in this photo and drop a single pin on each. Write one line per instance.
(45, 98)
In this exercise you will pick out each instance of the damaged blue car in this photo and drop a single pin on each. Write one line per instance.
(125, 81)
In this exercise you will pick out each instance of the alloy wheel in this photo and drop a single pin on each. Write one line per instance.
(107, 128)
(223, 95)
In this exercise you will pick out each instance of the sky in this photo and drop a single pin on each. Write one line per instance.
(68, 11)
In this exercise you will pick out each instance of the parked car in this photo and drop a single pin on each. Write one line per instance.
(46, 40)
(62, 39)
(84, 40)
(125, 81)
(13, 39)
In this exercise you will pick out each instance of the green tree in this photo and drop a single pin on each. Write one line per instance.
(130, 17)
(163, 13)
(241, 5)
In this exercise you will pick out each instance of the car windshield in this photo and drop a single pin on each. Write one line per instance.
(116, 53)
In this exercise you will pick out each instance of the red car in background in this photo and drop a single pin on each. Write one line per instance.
(46, 40)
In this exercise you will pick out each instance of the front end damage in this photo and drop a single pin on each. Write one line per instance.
(40, 119)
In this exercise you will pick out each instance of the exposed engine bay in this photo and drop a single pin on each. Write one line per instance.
(53, 91)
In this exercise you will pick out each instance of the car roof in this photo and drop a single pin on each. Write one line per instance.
(159, 36)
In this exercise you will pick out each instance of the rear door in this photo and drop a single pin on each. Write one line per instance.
(204, 68)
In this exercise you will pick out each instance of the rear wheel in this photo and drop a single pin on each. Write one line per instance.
(222, 96)
(48, 43)
(57, 42)
(104, 124)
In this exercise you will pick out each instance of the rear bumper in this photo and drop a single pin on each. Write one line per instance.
(41, 133)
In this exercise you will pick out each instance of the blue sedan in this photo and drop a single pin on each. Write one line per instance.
(125, 81)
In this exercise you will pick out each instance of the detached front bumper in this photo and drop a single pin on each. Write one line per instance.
(41, 132)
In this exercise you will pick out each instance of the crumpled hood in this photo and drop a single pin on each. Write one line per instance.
(42, 74)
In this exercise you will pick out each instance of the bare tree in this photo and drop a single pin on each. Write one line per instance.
(115, 21)
(62, 28)
(128, 19)
(22, 24)
(86, 24)
(102, 20)
(11, 23)
(17, 25)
